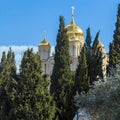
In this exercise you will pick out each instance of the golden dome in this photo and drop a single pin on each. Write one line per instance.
(100, 44)
(73, 28)
(44, 42)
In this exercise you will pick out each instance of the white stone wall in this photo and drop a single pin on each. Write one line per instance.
(44, 52)
(47, 65)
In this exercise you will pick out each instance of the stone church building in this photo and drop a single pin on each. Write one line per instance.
(76, 42)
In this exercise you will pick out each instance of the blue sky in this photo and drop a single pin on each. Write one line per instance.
(22, 22)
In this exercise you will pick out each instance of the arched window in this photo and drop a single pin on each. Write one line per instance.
(74, 50)
(44, 54)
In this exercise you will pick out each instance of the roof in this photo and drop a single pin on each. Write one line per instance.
(44, 42)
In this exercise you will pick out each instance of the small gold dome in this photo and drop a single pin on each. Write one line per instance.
(100, 44)
(73, 28)
(44, 42)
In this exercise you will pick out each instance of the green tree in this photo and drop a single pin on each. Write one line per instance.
(11, 62)
(3, 61)
(88, 47)
(97, 60)
(34, 99)
(81, 75)
(114, 48)
(61, 78)
(8, 85)
(103, 100)
(96, 41)
(88, 40)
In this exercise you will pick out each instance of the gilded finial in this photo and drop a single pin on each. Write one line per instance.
(72, 14)
(44, 42)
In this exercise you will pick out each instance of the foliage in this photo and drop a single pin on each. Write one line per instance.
(96, 60)
(61, 79)
(11, 62)
(34, 99)
(8, 83)
(103, 99)
(88, 40)
(81, 75)
(88, 47)
(114, 52)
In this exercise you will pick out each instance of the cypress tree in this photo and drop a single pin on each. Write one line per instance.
(88, 47)
(112, 56)
(81, 75)
(88, 40)
(61, 78)
(34, 99)
(114, 47)
(96, 65)
(11, 62)
(3, 61)
(7, 86)
(2, 86)
(96, 41)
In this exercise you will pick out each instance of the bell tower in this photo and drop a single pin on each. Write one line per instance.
(44, 49)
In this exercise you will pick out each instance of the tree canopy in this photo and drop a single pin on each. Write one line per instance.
(114, 47)
(61, 79)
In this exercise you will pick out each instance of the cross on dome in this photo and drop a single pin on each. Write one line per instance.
(45, 34)
(72, 14)
(72, 10)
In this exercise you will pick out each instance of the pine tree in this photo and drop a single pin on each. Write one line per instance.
(61, 79)
(34, 99)
(81, 75)
(7, 86)
(114, 52)
(96, 65)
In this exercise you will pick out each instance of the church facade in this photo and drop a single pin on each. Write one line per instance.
(76, 43)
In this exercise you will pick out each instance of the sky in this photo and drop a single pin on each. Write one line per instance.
(23, 22)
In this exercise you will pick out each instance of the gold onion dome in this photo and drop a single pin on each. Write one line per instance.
(100, 44)
(72, 27)
(44, 42)
(97, 43)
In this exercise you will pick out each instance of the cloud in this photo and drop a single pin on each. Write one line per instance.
(19, 51)
(52, 50)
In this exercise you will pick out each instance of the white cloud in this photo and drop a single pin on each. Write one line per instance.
(52, 50)
(19, 51)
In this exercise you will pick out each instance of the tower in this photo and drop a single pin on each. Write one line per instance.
(44, 52)
(76, 41)
(44, 49)
(76, 37)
